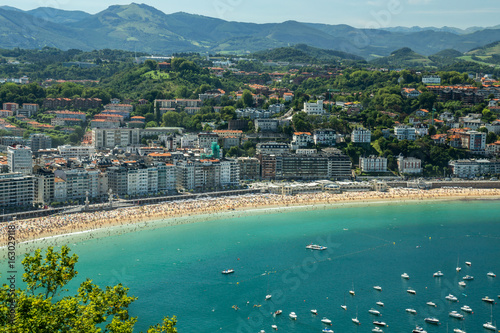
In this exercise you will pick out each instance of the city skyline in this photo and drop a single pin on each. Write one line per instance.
(357, 13)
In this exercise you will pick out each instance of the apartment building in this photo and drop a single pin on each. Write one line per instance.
(20, 159)
(16, 190)
(373, 164)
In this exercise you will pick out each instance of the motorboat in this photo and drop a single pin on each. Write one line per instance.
(377, 330)
(326, 321)
(327, 330)
(431, 304)
(378, 288)
(432, 320)
(411, 291)
(451, 298)
(438, 274)
(466, 308)
(487, 299)
(379, 323)
(458, 269)
(468, 278)
(405, 276)
(278, 312)
(462, 284)
(468, 263)
(356, 321)
(458, 330)
(316, 247)
(228, 271)
(274, 327)
(262, 331)
(491, 274)
(314, 311)
(489, 326)
(379, 303)
(419, 329)
(455, 314)
(374, 312)
(293, 316)
(268, 297)
(412, 311)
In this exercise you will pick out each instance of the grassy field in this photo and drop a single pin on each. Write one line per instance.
(156, 75)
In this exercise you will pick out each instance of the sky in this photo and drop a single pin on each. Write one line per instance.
(357, 13)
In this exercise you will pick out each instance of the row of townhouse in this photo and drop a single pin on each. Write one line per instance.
(13, 109)
(77, 103)
(468, 168)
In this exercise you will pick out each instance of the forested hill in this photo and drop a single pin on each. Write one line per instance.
(139, 27)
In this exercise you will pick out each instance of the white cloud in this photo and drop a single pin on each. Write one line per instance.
(418, 2)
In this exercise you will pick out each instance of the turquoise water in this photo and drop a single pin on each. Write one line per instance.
(177, 270)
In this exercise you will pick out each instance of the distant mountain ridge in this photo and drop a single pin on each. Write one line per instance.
(139, 27)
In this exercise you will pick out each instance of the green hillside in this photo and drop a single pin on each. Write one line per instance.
(404, 57)
(304, 53)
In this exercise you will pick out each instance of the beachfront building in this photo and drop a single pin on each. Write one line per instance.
(410, 165)
(361, 135)
(43, 186)
(249, 168)
(79, 183)
(469, 168)
(20, 159)
(16, 190)
(373, 164)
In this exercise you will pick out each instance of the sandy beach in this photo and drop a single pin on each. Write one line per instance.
(88, 225)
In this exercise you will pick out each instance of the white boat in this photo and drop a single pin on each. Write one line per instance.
(274, 327)
(490, 326)
(378, 288)
(356, 321)
(377, 330)
(451, 298)
(419, 329)
(468, 263)
(487, 299)
(412, 311)
(278, 312)
(466, 308)
(438, 274)
(352, 290)
(468, 278)
(379, 303)
(455, 314)
(411, 291)
(326, 321)
(462, 284)
(327, 330)
(458, 269)
(458, 330)
(314, 311)
(344, 307)
(379, 323)
(431, 304)
(293, 316)
(431, 320)
(268, 297)
(491, 274)
(316, 247)
(405, 276)
(374, 312)
(228, 271)
(262, 331)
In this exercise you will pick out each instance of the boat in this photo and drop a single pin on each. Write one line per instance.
(316, 247)
(274, 327)
(458, 330)
(378, 288)
(356, 321)
(327, 330)
(326, 321)
(268, 297)
(377, 330)
(491, 274)
(314, 311)
(419, 329)
(432, 320)
(487, 299)
(438, 274)
(489, 325)
(379, 303)
(458, 269)
(412, 311)
(262, 331)
(352, 290)
(411, 291)
(278, 312)
(466, 308)
(228, 271)
(374, 312)
(431, 304)
(468, 263)
(405, 276)
(293, 316)
(344, 307)
(462, 284)
(451, 298)
(379, 323)
(455, 314)
(468, 278)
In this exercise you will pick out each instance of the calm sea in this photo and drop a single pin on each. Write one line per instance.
(177, 270)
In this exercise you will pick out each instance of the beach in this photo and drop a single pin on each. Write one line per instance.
(88, 225)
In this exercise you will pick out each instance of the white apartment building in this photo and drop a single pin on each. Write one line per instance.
(431, 79)
(79, 183)
(302, 139)
(272, 148)
(78, 152)
(477, 140)
(16, 190)
(60, 190)
(405, 133)
(409, 165)
(137, 181)
(110, 138)
(325, 137)
(20, 159)
(361, 135)
(373, 164)
(205, 139)
(229, 172)
(470, 167)
(314, 108)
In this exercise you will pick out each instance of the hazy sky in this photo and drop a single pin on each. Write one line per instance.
(358, 13)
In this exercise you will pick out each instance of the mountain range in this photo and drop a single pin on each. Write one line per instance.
(143, 28)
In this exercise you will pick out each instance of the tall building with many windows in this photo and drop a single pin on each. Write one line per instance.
(16, 190)
(19, 159)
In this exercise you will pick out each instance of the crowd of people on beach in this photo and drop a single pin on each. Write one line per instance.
(66, 224)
